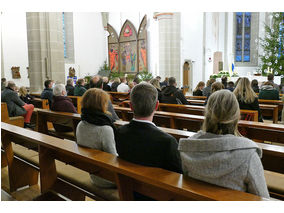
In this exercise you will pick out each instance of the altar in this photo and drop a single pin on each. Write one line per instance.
(260, 79)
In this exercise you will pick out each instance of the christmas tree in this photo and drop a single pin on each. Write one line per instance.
(272, 59)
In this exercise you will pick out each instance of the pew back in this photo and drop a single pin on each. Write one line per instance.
(153, 182)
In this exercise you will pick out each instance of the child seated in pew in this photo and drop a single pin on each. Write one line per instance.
(96, 128)
(198, 89)
(218, 154)
(61, 103)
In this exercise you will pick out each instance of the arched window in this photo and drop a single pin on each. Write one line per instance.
(246, 32)
(64, 34)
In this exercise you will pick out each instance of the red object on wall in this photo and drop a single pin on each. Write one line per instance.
(127, 32)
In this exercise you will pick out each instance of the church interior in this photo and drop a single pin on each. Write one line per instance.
(142, 106)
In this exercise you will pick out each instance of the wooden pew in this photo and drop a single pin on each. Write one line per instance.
(253, 130)
(156, 183)
(196, 102)
(195, 97)
(17, 120)
(46, 115)
(118, 97)
(269, 110)
(250, 115)
(272, 102)
(77, 102)
(40, 103)
(37, 95)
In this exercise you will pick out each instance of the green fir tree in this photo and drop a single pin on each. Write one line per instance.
(273, 46)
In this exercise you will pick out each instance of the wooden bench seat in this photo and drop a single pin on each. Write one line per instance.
(68, 173)
(153, 182)
(17, 120)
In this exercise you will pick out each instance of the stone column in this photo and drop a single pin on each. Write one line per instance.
(169, 45)
(45, 48)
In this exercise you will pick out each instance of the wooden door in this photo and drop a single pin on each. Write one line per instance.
(186, 75)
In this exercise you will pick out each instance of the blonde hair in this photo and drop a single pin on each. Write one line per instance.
(95, 100)
(222, 114)
(244, 91)
(200, 84)
(23, 91)
(117, 79)
(155, 82)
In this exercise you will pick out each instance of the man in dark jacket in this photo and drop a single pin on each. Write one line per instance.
(106, 87)
(79, 88)
(16, 107)
(61, 103)
(97, 82)
(69, 87)
(140, 141)
(47, 92)
(270, 78)
(172, 95)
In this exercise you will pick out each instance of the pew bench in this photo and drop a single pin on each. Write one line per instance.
(273, 156)
(118, 97)
(156, 183)
(17, 120)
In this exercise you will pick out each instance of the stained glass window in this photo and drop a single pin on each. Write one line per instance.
(243, 37)
(239, 37)
(64, 35)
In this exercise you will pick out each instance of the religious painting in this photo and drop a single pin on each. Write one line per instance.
(142, 45)
(128, 56)
(16, 72)
(142, 55)
(128, 48)
(113, 49)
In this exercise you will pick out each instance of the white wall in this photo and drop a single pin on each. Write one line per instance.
(192, 43)
(89, 43)
(15, 46)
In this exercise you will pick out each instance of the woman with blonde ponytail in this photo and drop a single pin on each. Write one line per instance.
(218, 154)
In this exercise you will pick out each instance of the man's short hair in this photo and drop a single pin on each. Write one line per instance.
(143, 98)
(58, 89)
(96, 82)
(80, 81)
(158, 77)
(11, 84)
(69, 81)
(46, 83)
(3, 79)
(172, 81)
(270, 77)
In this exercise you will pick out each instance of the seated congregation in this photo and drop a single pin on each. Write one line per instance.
(217, 154)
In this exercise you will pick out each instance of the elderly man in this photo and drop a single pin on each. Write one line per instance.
(97, 82)
(16, 106)
(141, 141)
(61, 103)
(106, 87)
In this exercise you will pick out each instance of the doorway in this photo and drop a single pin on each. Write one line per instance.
(187, 77)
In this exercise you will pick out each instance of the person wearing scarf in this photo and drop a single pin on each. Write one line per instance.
(96, 129)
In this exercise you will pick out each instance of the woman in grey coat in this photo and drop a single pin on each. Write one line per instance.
(218, 154)
(96, 130)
